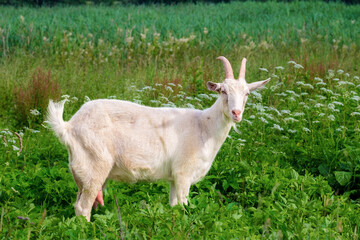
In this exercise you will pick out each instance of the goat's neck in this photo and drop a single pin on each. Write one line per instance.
(218, 125)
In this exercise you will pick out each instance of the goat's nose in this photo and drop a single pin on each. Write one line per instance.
(236, 112)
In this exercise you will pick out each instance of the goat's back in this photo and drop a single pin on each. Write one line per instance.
(143, 142)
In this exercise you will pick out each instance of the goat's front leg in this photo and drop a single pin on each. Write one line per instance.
(173, 197)
(182, 186)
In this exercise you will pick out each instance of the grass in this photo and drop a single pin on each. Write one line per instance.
(292, 173)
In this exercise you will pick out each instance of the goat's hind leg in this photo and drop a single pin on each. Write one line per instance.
(90, 179)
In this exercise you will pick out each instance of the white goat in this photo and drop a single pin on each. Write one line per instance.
(128, 142)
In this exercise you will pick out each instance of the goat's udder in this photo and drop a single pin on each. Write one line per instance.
(98, 199)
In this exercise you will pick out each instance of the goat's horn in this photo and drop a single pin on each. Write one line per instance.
(228, 69)
(242, 69)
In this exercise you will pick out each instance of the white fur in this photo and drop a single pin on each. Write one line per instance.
(128, 142)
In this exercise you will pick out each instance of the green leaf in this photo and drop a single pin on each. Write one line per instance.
(343, 177)
(324, 169)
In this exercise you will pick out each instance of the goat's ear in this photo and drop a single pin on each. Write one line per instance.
(213, 86)
(256, 85)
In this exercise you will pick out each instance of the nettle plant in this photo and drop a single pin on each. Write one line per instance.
(312, 123)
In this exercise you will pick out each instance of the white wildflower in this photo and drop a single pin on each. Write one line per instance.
(155, 101)
(263, 120)
(321, 114)
(169, 89)
(292, 131)
(241, 140)
(306, 129)
(321, 97)
(356, 78)
(65, 96)
(275, 110)
(316, 121)
(292, 99)
(280, 68)
(305, 84)
(318, 79)
(138, 101)
(15, 148)
(204, 96)
(169, 104)
(87, 99)
(281, 94)
(298, 66)
(292, 62)
(347, 75)
(257, 95)
(341, 128)
(277, 127)
(111, 97)
(263, 69)
(285, 111)
(274, 76)
(297, 114)
(213, 95)
(331, 117)
(340, 71)
(252, 117)
(318, 105)
(345, 83)
(74, 99)
(335, 79)
(148, 88)
(189, 105)
(206, 31)
(247, 121)
(331, 72)
(290, 119)
(268, 115)
(320, 84)
(259, 107)
(338, 103)
(355, 98)
(34, 112)
(355, 114)
(326, 90)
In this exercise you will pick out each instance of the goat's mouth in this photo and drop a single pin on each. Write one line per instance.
(236, 119)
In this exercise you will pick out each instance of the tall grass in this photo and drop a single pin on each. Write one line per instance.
(227, 25)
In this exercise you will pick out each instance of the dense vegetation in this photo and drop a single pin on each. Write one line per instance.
(127, 2)
(292, 173)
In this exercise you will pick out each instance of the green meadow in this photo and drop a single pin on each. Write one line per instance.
(293, 171)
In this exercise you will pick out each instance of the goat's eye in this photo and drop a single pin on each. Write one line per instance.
(246, 94)
(223, 92)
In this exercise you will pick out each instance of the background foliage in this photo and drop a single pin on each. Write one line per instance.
(292, 173)
(126, 2)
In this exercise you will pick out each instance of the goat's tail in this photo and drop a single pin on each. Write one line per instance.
(55, 119)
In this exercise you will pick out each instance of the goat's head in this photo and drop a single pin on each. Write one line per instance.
(234, 92)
